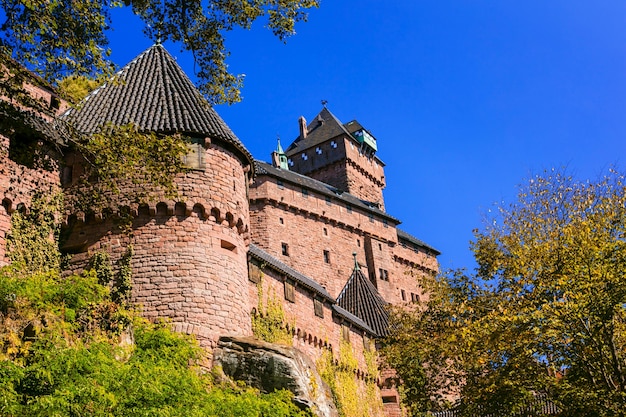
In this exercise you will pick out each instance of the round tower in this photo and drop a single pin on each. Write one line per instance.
(189, 255)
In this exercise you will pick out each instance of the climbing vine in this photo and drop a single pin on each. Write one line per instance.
(268, 323)
(354, 398)
(32, 239)
(120, 281)
(124, 166)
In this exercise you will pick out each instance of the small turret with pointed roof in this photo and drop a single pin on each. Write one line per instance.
(279, 158)
(360, 297)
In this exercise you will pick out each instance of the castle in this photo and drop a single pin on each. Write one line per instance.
(309, 227)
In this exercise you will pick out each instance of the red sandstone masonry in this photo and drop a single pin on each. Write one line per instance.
(310, 225)
(344, 167)
(311, 334)
(18, 184)
(189, 264)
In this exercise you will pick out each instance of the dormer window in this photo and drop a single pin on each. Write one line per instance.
(318, 150)
(333, 144)
(304, 157)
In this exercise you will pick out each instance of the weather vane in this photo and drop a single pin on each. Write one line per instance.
(324, 103)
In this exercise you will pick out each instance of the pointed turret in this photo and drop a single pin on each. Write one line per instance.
(279, 158)
(360, 297)
(154, 94)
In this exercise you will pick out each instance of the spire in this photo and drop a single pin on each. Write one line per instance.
(279, 158)
(356, 263)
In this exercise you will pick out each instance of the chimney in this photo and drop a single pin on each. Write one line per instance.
(303, 129)
(275, 159)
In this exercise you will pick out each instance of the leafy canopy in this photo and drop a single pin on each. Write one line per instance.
(544, 315)
(59, 38)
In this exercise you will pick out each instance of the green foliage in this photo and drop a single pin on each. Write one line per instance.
(544, 313)
(268, 323)
(60, 38)
(64, 350)
(120, 281)
(123, 159)
(32, 239)
(352, 397)
(74, 88)
(55, 364)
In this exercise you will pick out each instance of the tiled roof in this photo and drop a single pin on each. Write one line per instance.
(32, 124)
(402, 235)
(263, 168)
(323, 127)
(360, 297)
(309, 283)
(154, 93)
(305, 281)
(345, 314)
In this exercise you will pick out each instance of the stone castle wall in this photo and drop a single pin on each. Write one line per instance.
(19, 183)
(310, 333)
(309, 225)
(189, 264)
(340, 163)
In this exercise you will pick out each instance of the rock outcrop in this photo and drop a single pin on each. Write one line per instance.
(270, 367)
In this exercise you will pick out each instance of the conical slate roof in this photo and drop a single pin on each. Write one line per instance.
(360, 297)
(155, 94)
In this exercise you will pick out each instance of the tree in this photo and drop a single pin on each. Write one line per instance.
(543, 316)
(62, 38)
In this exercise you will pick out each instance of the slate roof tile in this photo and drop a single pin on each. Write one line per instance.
(402, 235)
(154, 93)
(361, 298)
(263, 168)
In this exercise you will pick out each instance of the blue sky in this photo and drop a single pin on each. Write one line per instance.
(467, 98)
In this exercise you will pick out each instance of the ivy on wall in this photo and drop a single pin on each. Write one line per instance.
(119, 281)
(268, 322)
(61, 350)
(353, 397)
(32, 241)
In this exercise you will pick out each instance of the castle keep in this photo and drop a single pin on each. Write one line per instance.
(308, 227)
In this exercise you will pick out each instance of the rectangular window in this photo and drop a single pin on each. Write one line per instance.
(195, 154)
(326, 257)
(328, 200)
(403, 294)
(254, 272)
(305, 192)
(345, 333)
(384, 274)
(349, 208)
(285, 249)
(367, 343)
(290, 292)
(371, 217)
(385, 224)
(318, 307)
(280, 184)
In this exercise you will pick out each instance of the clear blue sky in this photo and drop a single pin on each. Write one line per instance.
(466, 98)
